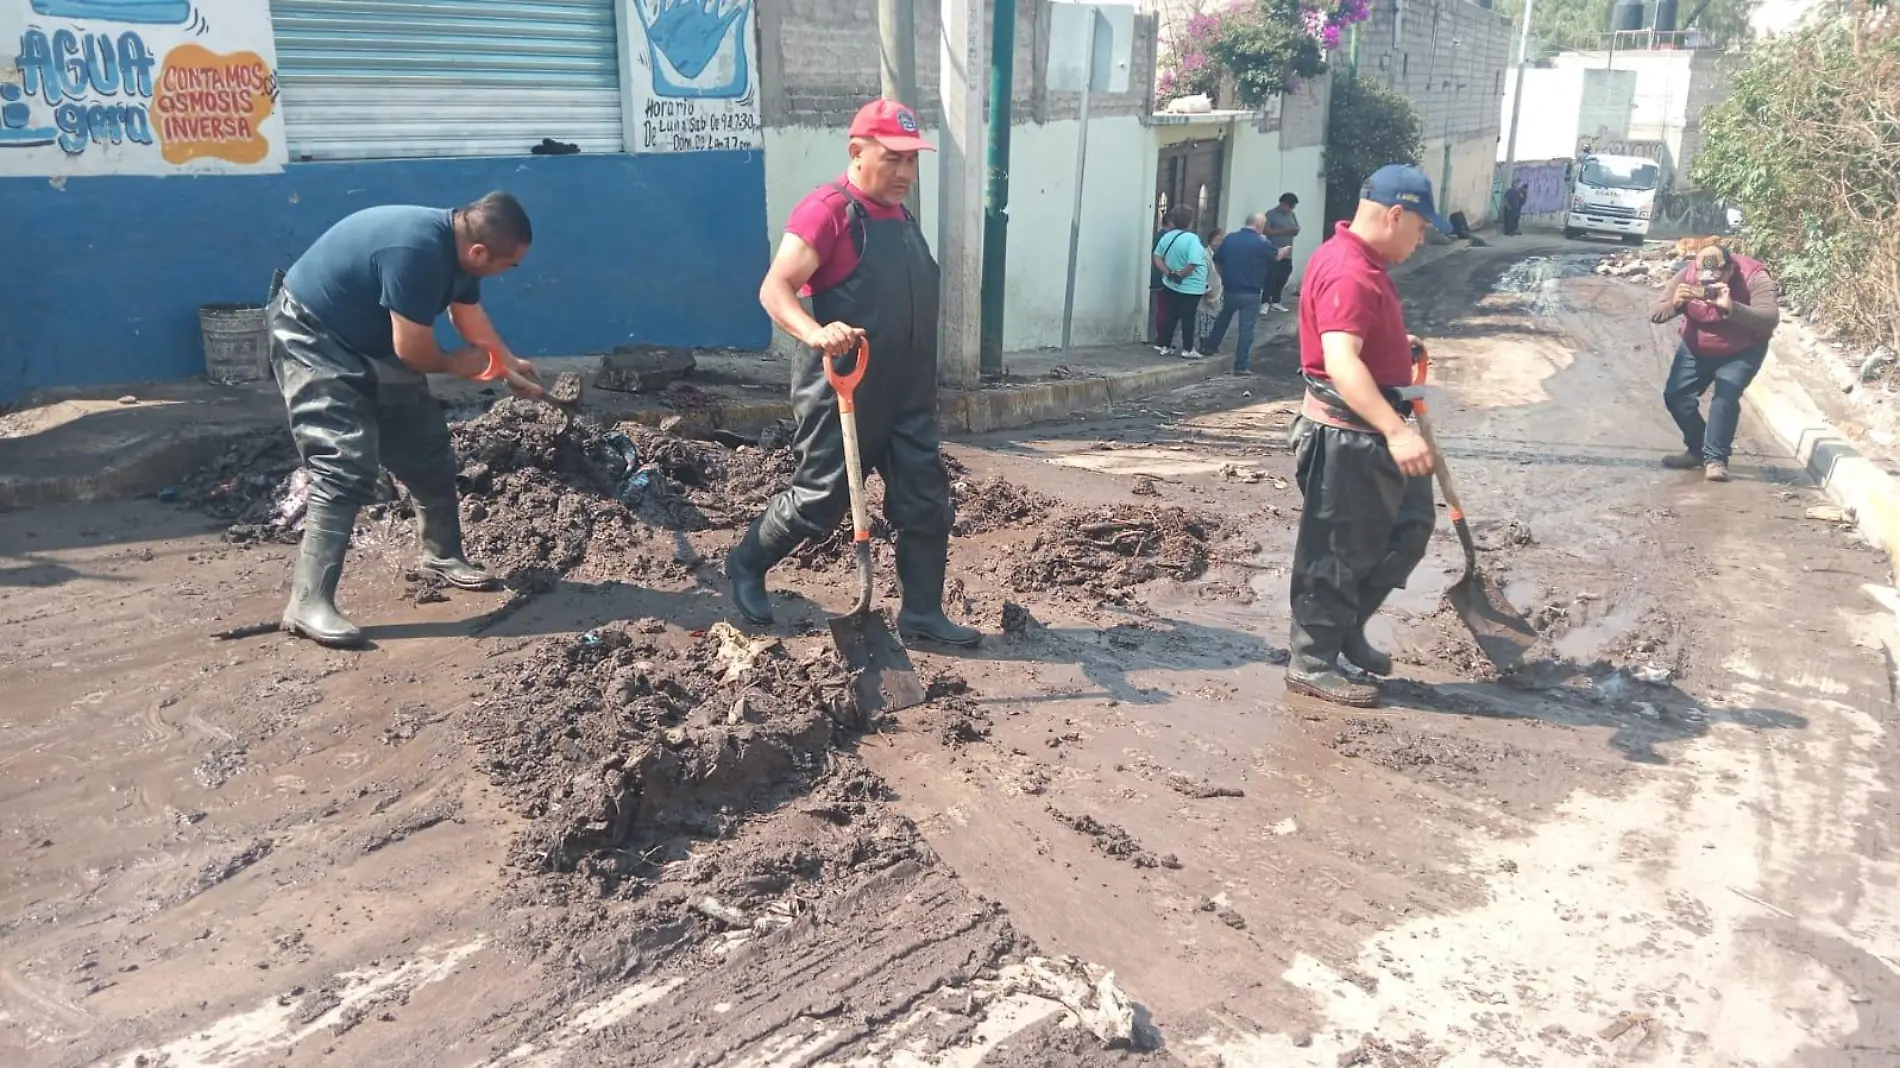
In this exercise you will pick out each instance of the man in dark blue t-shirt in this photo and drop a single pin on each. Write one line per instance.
(352, 342)
(1243, 260)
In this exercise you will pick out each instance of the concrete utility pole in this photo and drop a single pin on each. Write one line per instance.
(1517, 105)
(897, 59)
(996, 201)
(964, 54)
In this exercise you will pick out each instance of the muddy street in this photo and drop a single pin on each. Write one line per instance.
(584, 820)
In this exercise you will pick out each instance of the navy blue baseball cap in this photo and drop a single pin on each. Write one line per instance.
(1403, 186)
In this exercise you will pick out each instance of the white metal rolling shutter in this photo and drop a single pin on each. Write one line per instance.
(390, 79)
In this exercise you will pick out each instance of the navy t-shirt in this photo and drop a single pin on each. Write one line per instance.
(389, 258)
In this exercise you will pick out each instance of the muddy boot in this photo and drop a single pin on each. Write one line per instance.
(921, 562)
(439, 527)
(1715, 472)
(1361, 654)
(1682, 461)
(312, 610)
(1313, 670)
(1334, 687)
(764, 544)
(1353, 645)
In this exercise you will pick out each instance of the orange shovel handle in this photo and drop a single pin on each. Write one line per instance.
(847, 384)
(494, 372)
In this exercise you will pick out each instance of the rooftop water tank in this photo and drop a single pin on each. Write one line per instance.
(1627, 15)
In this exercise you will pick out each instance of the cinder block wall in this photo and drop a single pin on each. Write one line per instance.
(1449, 57)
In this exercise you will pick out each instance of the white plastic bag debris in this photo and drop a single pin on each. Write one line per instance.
(1088, 991)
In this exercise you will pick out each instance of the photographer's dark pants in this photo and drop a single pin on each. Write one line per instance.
(1690, 376)
(1364, 528)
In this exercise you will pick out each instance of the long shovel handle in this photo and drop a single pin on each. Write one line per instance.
(1421, 366)
(846, 387)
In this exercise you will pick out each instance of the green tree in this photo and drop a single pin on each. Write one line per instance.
(1370, 126)
(1807, 145)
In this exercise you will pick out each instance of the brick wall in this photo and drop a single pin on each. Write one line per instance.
(1449, 57)
(818, 63)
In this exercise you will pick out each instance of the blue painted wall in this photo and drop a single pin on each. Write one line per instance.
(104, 276)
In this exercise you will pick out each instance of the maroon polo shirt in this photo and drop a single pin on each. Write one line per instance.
(1347, 291)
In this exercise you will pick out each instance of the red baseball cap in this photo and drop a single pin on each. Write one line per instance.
(890, 124)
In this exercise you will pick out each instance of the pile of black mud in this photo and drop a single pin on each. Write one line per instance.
(1102, 552)
(695, 812)
(548, 493)
(622, 740)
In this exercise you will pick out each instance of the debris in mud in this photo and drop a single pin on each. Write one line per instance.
(1433, 757)
(1113, 841)
(1201, 789)
(1016, 618)
(1375, 1052)
(220, 765)
(1086, 990)
(426, 587)
(219, 871)
(1232, 919)
(247, 487)
(1106, 550)
(612, 741)
(1496, 535)
(990, 504)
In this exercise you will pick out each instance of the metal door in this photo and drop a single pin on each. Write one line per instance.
(382, 79)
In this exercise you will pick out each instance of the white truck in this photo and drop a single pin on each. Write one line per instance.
(1612, 195)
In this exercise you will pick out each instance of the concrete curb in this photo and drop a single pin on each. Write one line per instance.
(140, 470)
(1850, 479)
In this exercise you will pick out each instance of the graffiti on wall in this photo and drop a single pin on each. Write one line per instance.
(697, 90)
(141, 87)
(1550, 185)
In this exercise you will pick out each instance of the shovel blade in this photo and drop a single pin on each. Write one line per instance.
(1504, 636)
(883, 678)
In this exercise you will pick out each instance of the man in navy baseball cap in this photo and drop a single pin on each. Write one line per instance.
(1364, 470)
(1401, 185)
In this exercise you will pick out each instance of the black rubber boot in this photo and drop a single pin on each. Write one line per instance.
(921, 562)
(1314, 671)
(312, 611)
(1359, 652)
(439, 528)
(765, 543)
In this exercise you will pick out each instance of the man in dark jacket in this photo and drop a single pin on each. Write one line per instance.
(352, 341)
(1514, 201)
(1244, 259)
(861, 257)
(1729, 306)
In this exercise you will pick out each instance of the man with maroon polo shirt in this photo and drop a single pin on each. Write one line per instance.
(1362, 467)
(859, 255)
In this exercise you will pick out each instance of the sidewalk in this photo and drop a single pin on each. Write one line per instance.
(128, 441)
(1789, 396)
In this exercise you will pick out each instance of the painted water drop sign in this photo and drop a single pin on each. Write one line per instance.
(141, 87)
(696, 92)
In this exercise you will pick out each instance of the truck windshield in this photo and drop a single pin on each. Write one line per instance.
(1606, 175)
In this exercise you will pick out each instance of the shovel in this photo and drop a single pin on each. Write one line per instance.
(564, 392)
(1503, 635)
(882, 674)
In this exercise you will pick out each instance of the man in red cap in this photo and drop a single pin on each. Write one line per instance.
(853, 249)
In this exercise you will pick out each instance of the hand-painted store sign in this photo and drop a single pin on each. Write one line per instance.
(695, 83)
(141, 87)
